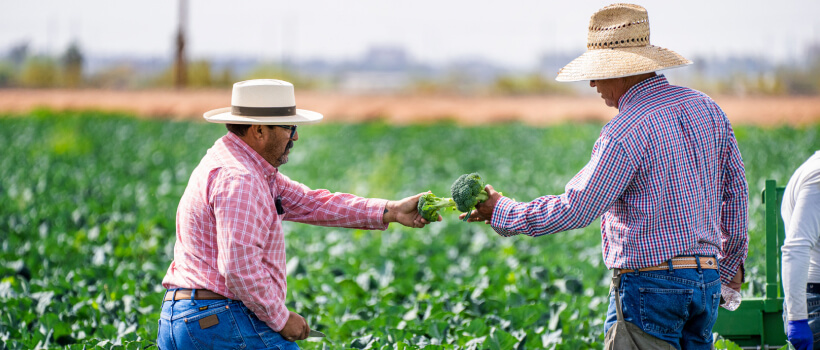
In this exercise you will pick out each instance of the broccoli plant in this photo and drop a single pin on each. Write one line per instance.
(467, 191)
(429, 205)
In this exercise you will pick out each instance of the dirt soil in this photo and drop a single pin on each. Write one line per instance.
(398, 109)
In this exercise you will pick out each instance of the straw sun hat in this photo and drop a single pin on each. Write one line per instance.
(263, 102)
(618, 46)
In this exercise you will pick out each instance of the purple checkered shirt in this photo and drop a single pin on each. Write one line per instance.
(666, 177)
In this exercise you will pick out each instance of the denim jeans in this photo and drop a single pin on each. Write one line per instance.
(215, 324)
(678, 306)
(813, 309)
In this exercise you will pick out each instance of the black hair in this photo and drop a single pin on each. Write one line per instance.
(240, 129)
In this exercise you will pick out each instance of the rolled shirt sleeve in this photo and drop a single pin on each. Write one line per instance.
(734, 214)
(324, 208)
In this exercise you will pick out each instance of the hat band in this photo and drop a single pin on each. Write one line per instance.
(263, 111)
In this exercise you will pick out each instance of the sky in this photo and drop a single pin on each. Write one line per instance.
(513, 33)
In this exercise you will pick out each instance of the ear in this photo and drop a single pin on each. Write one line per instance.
(257, 132)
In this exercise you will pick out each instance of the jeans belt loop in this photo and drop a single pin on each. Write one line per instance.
(193, 294)
(697, 260)
(671, 268)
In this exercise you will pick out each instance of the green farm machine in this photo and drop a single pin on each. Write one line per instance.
(758, 322)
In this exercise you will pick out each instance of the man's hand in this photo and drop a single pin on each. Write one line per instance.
(405, 212)
(484, 210)
(296, 328)
(737, 281)
(799, 334)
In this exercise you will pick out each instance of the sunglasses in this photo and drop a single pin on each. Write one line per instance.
(292, 129)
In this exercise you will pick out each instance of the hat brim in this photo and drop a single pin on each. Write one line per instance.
(224, 116)
(620, 62)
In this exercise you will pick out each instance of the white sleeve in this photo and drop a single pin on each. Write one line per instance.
(801, 236)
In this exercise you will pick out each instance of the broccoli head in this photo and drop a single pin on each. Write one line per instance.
(429, 205)
(467, 191)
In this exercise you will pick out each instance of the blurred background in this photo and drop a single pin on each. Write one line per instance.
(435, 89)
(740, 48)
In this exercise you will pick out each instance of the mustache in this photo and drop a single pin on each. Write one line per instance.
(290, 145)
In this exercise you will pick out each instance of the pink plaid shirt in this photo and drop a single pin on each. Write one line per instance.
(229, 237)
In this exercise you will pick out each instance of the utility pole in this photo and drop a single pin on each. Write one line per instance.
(180, 65)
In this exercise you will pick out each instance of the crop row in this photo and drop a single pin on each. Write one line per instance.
(88, 201)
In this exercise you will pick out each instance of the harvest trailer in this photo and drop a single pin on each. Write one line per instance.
(758, 322)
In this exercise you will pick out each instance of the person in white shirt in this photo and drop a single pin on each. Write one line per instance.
(801, 255)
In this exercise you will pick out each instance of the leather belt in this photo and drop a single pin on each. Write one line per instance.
(185, 294)
(812, 287)
(682, 262)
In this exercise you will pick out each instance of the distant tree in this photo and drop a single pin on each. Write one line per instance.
(224, 79)
(72, 61)
(115, 77)
(199, 74)
(529, 84)
(18, 53)
(802, 81)
(425, 86)
(39, 72)
(278, 71)
(7, 74)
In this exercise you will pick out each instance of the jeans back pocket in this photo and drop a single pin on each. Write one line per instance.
(214, 329)
(664, 311)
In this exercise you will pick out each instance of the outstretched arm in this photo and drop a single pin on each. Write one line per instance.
(588, 195)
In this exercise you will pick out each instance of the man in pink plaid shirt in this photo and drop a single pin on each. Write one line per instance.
(667, 180)
(227, 283)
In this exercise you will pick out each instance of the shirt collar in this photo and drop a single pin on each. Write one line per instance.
(636, 92)
(233, 141)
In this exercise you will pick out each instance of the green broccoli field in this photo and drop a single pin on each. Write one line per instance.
(88, 203)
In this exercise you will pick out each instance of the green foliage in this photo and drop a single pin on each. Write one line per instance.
(39, 72)
(88, 203)
(724, 344)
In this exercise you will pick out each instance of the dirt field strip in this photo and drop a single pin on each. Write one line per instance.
(399, 109)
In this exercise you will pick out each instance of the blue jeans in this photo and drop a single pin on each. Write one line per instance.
(679, 307)
(813, 309)
(215, 324)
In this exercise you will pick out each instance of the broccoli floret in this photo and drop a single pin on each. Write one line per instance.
(467, 191)
(429, 205)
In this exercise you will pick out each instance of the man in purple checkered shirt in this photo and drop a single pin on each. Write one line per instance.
(666, 177)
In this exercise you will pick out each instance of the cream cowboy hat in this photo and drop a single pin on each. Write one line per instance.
(618, 46)
(263, 102)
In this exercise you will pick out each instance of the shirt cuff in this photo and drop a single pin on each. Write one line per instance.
(278, 323)
(375, 211)
(729, 267)
(502, 209)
